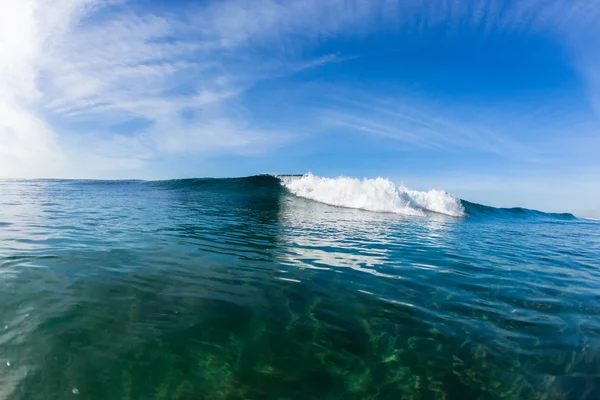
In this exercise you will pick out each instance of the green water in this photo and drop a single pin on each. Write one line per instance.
(235, 289)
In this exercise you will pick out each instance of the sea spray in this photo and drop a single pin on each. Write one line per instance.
(379, 195)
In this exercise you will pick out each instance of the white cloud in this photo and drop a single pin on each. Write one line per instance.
(73, 71)
(27, 143)
(70, 74)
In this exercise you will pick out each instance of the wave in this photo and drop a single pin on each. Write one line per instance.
(480, 210)
(249, 183)
(379, 195)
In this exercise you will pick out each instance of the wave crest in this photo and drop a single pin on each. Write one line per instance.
(379, 195)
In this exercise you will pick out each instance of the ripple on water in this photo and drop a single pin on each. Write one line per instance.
(134, 290)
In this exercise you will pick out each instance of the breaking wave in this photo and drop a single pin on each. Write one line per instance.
(379, 195)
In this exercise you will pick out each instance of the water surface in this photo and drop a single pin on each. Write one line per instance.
(237, 289)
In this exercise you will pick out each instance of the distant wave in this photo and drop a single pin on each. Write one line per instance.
(475, 209)
(379, 195)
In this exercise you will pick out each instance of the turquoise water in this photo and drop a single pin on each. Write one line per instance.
(237, 289)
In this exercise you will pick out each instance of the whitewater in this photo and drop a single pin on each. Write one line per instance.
(378, 195)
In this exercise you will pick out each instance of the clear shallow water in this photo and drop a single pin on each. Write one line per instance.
(236, 289)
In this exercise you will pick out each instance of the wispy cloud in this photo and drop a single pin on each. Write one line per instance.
(417, 124)
(110, 85)
(67, 66)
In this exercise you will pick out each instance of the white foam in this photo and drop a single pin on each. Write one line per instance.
(436, 200)
(379, 195)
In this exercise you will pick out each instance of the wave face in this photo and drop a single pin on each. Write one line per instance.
(250, 183)
(379, 195)
(479, 210)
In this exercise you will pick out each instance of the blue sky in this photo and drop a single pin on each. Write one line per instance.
(497, 102)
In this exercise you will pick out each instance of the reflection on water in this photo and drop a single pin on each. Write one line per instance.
(317, 236)
(235, 289)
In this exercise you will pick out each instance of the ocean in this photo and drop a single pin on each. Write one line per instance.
(291, 287)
